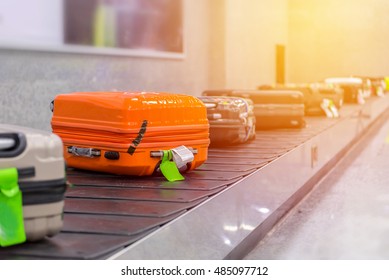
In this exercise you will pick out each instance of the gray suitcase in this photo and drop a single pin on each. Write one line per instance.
(38, 159)
(231, 119)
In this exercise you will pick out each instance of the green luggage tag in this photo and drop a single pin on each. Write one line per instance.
(169, 168)
(11, 209)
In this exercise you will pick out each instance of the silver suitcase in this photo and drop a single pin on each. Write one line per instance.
(38, 158)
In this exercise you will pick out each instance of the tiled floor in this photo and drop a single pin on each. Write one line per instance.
(346, 216)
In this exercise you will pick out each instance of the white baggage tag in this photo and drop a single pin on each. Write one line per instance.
(182, 155)
(325, 105)
(334, 111)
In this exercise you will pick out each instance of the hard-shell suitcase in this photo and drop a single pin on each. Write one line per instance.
(314, 101)
(127, 132)
(353, 88)
(38, 158)
(312, 98)
(276, 108)
(231, 119)
(331, 92)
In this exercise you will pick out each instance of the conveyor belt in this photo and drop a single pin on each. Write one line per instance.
(105, 213)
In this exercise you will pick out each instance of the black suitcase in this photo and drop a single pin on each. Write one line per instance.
(276, 108)
(231, 119)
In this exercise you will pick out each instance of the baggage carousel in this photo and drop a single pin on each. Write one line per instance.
(221, 209)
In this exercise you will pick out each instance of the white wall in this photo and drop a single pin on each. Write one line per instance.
(228, 44)
(253, 28)
(31, 22)
(337, 38)
(29, 80)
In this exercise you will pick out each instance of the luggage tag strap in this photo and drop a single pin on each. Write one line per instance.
(169, 168)
(182, 155)
(174, 159)
(11, 209)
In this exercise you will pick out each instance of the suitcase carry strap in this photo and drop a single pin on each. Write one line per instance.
(11, 209)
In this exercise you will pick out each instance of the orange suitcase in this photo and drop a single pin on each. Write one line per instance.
(127, 132)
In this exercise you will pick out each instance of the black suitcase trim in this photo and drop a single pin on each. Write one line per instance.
(42, 192)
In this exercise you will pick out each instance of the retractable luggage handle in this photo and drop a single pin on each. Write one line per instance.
(12, 144)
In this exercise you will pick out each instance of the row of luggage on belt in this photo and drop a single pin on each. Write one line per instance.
(132, 134)
(117, 132)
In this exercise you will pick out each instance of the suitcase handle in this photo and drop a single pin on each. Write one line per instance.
(12, 144)
(6, 143)
(210, 105)
(159, 154)
(83, 152)
(215, 116)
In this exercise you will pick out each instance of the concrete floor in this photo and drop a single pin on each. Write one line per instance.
(346, 216)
